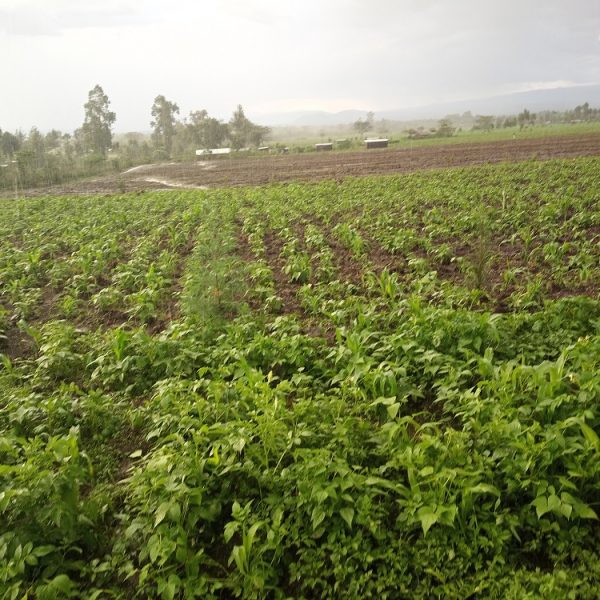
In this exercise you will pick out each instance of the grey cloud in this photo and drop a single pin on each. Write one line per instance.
(380, 53)
(30, 20)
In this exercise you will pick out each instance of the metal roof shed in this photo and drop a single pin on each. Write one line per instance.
(213, 151)
(378, 143)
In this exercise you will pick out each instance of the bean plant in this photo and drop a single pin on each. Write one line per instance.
(380, 387)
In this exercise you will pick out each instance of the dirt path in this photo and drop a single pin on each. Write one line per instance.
(173, 184)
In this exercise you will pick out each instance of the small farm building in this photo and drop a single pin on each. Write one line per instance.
(212, 151)
(379, 143)
(324, 146)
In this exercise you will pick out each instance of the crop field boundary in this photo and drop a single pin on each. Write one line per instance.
(238, 171)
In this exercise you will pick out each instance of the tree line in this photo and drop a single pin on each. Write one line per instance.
(37, 159)
(171, 137)
(446, 127)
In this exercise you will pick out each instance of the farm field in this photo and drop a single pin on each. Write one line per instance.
(313, 166)
(287, 135)
(384, 386)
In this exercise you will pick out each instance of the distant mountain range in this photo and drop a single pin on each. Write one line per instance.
(548, 99)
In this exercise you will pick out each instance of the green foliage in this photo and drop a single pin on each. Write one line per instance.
(97, 126)
(336, 390)
(242, 132)
(163, 124)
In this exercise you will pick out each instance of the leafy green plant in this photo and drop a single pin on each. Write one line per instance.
(195, 426)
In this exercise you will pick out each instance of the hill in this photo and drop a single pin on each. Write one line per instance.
(548, 99)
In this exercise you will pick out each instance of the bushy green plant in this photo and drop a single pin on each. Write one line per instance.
(305, 390)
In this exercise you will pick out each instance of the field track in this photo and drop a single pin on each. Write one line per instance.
(226, 171)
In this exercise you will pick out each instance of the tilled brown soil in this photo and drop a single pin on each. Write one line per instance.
(232, 171)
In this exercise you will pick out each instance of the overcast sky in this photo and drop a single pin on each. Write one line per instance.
(282, 55)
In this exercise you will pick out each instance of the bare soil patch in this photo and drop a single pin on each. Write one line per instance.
(284, 287)
(16, 343)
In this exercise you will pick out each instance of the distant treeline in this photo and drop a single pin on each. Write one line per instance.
(446, 126)
(580, 114)
(36, 159)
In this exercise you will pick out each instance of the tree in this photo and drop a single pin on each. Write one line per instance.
(53, 139)
(582, 112)
(257, 134)
(214, 133)
(445, 128)
(96, 130)
(239, 127)
(205, 131)
(484, 122)
(362, 126)
(9, 143)
(135, 149)
(243, 132)
(163, 123)
(526, 118)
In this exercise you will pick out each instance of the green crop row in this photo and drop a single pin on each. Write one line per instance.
(384, 387)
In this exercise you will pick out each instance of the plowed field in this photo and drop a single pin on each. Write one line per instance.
(227, 171)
